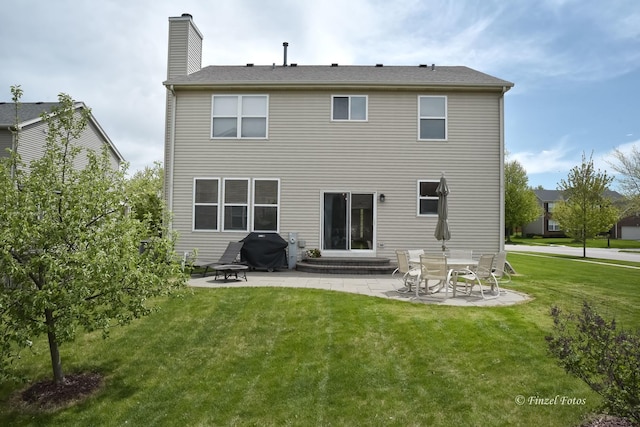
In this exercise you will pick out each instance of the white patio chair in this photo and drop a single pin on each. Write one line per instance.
(481, 276)
(409, 275)
(414, 256)
(499, 269)
(434, 273)
(460, 253)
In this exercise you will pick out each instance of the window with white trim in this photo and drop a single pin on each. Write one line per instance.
(432, 112)
(205, 203)
(427, 197)
(239, 116)
(349, 108)
(266, 204)
(236, 205)
(553, 225)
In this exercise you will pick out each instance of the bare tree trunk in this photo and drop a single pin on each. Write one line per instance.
(54, 350)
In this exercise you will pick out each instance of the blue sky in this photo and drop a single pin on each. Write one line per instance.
(575, 63)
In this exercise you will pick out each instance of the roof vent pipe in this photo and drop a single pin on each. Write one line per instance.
(285, 44)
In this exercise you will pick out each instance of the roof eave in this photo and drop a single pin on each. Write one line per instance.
(243, 85)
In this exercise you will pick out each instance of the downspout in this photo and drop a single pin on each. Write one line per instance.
(172, 150)
(14, 149)
(502, 152)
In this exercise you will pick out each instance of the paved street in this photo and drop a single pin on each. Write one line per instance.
(613, 254)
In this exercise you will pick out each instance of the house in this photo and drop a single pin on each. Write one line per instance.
(627, 228)
(544, 225)
(344, 159)
(33, 132)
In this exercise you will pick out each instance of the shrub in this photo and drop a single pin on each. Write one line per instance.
(314, 253)
(606, 358)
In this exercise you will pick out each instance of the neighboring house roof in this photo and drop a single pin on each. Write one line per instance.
(28, 112)
(31, 112)
(338, 75)
(548, 195)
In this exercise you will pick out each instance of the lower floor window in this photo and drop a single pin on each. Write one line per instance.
(554, 226)
(427, 197)
(236, 204)
(206, 202)
(239, 204)
(266, 204)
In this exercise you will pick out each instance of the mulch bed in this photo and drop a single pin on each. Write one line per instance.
(48, 395)
(608, 421)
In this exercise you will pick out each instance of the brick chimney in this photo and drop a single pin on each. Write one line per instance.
(185, 46)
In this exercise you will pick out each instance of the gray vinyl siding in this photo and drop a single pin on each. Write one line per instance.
(5, 142)
(185, 48)
(185, 57)
(32, 141)
(535, 227)
(309, 154)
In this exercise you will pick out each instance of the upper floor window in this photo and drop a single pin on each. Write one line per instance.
(551, 206)
(427, 197)
(349, 107)
(239, 116)
(433, 117)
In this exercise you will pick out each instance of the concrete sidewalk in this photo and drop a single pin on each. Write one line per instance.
(383, 286)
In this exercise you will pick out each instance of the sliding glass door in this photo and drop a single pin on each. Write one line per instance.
(348, 221)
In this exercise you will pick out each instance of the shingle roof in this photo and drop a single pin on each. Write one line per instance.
(27, 112)
(339, 75)
(548, 195)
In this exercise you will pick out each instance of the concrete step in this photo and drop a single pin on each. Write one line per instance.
(336, 265)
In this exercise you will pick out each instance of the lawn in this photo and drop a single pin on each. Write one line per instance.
(273, 357)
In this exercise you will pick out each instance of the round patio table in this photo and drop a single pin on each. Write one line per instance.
(230, 270)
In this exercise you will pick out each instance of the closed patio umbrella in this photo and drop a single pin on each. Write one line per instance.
(442, 227)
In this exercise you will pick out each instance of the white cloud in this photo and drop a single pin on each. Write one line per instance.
(557, 159)
(607, 158)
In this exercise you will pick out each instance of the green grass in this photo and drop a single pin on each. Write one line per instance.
(273, 357)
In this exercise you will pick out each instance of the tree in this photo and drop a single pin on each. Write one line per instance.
(585, 211)
(144, 194)
(520, 202)
(69, 249)
(628, 166)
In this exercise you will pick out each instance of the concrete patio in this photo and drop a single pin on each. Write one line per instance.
(382, 286)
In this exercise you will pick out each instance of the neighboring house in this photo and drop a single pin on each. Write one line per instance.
(32, 135)
(544, 225)
(347, 157)
(627, 228)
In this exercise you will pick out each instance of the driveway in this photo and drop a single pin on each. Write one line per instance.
(613, 254)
